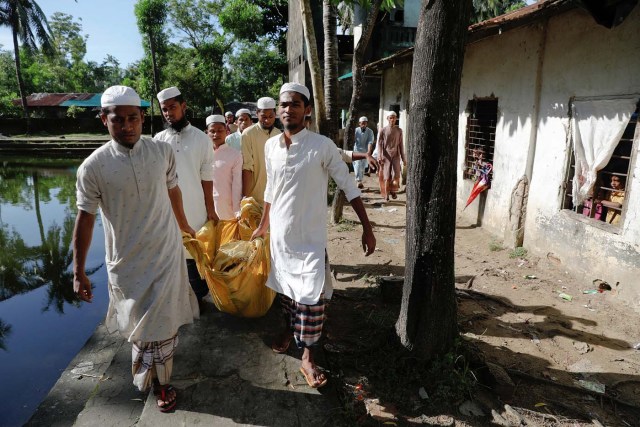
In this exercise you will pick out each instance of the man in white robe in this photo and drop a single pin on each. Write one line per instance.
(299, 164)
(132, 179)
(194, 160)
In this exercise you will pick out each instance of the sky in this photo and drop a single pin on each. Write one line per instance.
(111, 27)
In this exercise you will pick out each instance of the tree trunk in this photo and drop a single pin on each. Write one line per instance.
(329, 23)
(23, 95)
(156, 76)
(358, 85)
(427, 321)
(314, 65)
(358, 73)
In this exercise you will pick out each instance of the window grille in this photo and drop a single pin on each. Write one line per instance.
(480, 136)
(618, 169)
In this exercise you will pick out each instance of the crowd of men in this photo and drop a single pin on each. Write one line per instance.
(154, 285)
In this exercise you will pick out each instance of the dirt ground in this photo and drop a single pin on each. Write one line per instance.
(564, 362)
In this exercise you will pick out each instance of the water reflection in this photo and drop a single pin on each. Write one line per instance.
(39, 314)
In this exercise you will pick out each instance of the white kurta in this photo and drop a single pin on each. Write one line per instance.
(227, 181)
(149, 292)
(297, 181)
(194, 155)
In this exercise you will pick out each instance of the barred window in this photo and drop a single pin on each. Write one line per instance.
(610, 189)
(480, 135)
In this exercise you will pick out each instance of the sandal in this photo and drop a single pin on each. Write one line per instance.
(162, 394)
(394, 196)
(311, 380)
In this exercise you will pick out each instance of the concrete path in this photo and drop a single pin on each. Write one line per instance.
(224, 370)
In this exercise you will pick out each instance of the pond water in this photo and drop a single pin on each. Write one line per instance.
(42, 326)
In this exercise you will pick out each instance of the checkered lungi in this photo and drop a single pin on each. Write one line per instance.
(304, 320)
(152, 360)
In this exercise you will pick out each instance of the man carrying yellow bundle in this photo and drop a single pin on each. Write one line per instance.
(299, 163)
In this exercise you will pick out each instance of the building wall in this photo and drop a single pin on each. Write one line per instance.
(296, 57)
(570, 56)
(534, 71)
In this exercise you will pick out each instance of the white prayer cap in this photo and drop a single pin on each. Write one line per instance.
(168, 93)
(215, 118)
(266, 103)
(363, 119)
(119, 95)
(296, 87)
(393, 113)
(228, 113)
(243, 111)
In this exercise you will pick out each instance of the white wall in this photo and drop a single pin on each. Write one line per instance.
(395, 89)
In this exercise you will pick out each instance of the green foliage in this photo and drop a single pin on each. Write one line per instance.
(518, 252)
(74, 111)
(487, 9)
(346, 225)
(450, 378)
(255, 71)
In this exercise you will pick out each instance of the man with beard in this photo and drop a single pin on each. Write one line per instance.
(299, 163)
(254, 173)
(194, 157)
(243, 120)
(132, 179)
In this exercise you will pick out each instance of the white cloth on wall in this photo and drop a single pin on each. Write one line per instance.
(596, 128)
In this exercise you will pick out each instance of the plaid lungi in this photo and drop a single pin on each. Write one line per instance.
(305, 321)
(152, 360)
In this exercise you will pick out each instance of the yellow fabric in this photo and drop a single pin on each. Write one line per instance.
(613, 216)
(235, 268)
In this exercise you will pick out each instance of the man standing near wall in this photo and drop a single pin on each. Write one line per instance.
(254, 173)
(132, 179)
(299, 163)
(194, 159)
(362, 144)
(390, 152)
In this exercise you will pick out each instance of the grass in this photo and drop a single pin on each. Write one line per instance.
(346, 225)
(518, 252)
(495, 246)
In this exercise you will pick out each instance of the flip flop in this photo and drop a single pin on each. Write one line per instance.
(162, 395)
(394, 196)
(310, 380)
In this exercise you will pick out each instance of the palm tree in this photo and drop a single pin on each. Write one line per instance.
(29, 24)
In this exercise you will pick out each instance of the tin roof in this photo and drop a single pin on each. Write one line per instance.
(45, 99)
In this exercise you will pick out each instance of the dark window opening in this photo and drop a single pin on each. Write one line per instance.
(480, 136)
(610, 189)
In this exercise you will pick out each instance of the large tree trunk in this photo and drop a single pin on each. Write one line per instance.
(314, 65)
(23, 95)
(358, 86)
(156, 76)
(329, 23)
(427, 322)
(358, 73)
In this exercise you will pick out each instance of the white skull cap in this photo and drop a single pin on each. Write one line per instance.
(266, 103)
(119, 95)
(243, 111)
(228, 113)
(168, 93)
(363, 119)
(215, 118)
(296, 87)
(393, 113)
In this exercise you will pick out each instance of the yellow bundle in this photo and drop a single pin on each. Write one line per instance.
(235, 268)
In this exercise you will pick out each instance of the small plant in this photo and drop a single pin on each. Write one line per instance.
(495, 246)
(346, 225)
(518, 252)
(74, 111)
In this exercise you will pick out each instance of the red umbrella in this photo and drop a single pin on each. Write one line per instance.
(483, 182)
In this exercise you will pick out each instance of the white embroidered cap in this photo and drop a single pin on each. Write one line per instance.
(266, 103)
(168, 93)
(228, 113)
(363, 119)
(393, 113)
(243, 111)
(296, 87)
(215, 118)
(119, 95)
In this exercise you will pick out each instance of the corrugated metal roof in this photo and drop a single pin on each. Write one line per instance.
(88, 100)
